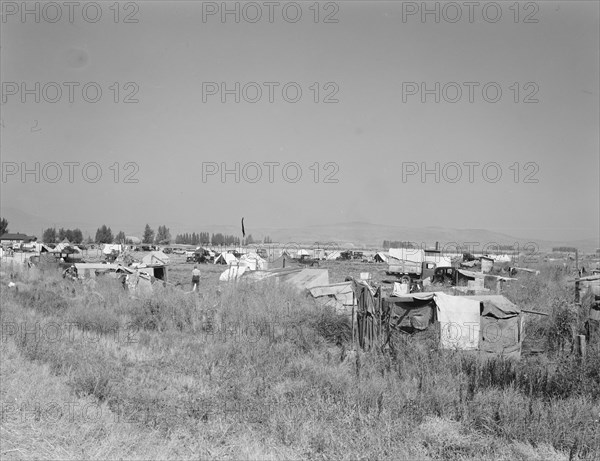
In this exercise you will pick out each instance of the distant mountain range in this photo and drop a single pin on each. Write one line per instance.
(357, 234)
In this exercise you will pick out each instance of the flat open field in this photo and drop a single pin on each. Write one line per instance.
(260, 372)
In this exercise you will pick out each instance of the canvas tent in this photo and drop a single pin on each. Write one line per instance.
(226, 258)
(252, 261)
(501, 258)
(501, 326)
(458, 320)
(39, 247)
(61, 246)
(109, 248)
(232, 273)
(337, 295)
(381, 257)
(155, 258)
(414, 255)
(301, 279)
(306, 278)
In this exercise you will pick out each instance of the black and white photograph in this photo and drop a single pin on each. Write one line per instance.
(300, 230)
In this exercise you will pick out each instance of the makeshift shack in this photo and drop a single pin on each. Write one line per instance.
(338, 295)
(139, 283)
(485, 323)
(501, 325)
(486, 264)
(587, 292)
(155, 264)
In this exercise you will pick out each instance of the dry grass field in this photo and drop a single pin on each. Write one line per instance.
(260, 372)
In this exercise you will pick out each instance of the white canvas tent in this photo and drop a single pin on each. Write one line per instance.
(252, 261)
(38, 247)
(501, 258)
(232, 273)
(381, 256)
(108, 248)
(155, 258)
(414, 255)
(226, 258)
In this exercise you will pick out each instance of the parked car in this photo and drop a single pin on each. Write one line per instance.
(306, 261)
(199, 256)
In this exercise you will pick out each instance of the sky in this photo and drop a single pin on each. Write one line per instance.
(524, 161)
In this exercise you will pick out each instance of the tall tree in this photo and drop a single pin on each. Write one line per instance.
(77, 236)
(49, 235)
(120, 237)
(104, 235)
(3, 226)
(163, 235)
(148, 234)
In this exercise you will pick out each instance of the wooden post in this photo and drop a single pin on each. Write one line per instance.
(353, 347)
(379, 340)
(577, 261)
(581, 346)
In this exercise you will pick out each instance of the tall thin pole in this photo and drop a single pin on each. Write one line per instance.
(353, 347)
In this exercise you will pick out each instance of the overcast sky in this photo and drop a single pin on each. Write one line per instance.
(373, 133)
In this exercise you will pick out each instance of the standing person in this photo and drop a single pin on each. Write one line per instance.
(195, 277)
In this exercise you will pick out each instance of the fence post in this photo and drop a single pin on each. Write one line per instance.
(353, 347)
(581, 346)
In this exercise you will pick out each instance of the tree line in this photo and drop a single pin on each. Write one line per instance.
(162, 236)
(564, 250)
(193, 239)
(50, 235)
(387, 244)
(104, 234)
(218, 239)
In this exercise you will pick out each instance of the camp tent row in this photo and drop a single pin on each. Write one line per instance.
(251, 261)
